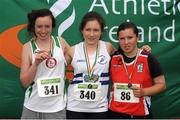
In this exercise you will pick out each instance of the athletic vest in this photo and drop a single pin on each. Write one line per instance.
(44, 103)
(86, 96)
(122, 99)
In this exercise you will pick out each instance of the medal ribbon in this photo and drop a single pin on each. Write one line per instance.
(135, 61)
(89, 68)
(51, 47)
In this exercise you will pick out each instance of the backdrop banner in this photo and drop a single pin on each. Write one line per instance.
(158, 22)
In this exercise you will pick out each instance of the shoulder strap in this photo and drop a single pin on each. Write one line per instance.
(56, 39)
(33, 46)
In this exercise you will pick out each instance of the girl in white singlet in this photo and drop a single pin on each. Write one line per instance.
(43, 69)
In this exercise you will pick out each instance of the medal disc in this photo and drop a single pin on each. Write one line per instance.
(129, 85)
(94, 77)
(87, 78)
(51, 62)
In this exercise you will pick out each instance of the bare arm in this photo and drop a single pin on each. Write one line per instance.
(158, 86)
(28, 70)
(70, 54)
(67, 50)
(110, 48)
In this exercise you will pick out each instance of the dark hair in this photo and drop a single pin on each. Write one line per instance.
(34, 14)
(126, 25)
(90, 16)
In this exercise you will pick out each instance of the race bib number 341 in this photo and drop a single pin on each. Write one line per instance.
(49, 86)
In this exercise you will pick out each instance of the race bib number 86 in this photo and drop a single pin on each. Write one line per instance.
(124, 94)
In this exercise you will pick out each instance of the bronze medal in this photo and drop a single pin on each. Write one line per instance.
(51, 62)
(129, 85)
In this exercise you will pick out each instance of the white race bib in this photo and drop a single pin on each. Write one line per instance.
(124, 94)
(87, 91)
(48, 87)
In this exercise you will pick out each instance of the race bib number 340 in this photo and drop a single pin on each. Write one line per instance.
(124, 94)
(49, 86)
(87, 91)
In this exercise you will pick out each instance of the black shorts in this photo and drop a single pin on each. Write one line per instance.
(86, 115)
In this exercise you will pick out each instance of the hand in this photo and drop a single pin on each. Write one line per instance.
(41, 55)
(147, 48)
(137, 91)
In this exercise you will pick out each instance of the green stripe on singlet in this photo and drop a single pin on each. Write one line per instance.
(57, 42)
(56, 39)
(30, 88)
(65, 82)
(34, 47)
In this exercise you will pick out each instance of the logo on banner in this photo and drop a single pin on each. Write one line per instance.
(57, 8)
(10, 37)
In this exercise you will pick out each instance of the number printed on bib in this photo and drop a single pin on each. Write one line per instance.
(49, 86)
(87, 91)
(124, 94)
